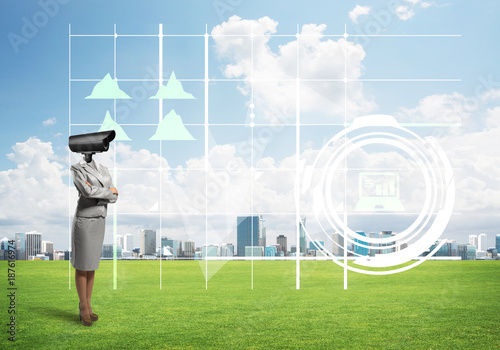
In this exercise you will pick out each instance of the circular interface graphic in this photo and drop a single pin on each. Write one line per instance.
(379, 196)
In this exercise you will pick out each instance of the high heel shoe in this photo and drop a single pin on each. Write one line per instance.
(85, 321)
(94, 317)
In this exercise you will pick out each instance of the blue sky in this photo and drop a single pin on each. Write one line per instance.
(34, 88)
(39, 69)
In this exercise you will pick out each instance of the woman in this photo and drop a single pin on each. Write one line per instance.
(95, 190)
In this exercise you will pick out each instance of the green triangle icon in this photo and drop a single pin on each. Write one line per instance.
(110, 124)
(172, 128)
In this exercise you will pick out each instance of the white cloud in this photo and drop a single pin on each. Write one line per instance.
(358, 11)
(443, 108)
(319, 59)
(33, 193)
(50, 121)
(404, 12)
(471, 148)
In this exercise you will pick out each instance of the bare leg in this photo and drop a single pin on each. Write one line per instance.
(90, 285)
(81, 288)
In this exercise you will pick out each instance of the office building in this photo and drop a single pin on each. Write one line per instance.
(270, 251)
(33, 243)
(47, 247)
(302, 236)
(128, 242)
(491, 253)
(227, 249)
(148, 242)
(282, 242)
(189, 248)
(318, 246)
(374, 248)
(254, 251)
(338, 244)
(473, 240)
(467, 251)
(262, 232)
(497, 242)
(390, 245)
(482, 242)
(175, 246)
(4, 248)
(58, 255)
(120, 240)
(361, 246)
(247, 233)
(4, 243)
(21, 246)
(107, 251)
(210, 250)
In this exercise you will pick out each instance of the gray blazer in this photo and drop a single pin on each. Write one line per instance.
(92, 200)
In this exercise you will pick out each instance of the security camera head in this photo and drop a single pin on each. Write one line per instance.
(89, 144)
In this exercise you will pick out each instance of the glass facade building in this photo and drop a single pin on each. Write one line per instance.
(247, 233)
(21, 246)
(361, 247)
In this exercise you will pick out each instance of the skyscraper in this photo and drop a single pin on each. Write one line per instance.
(281, 241)
(33, 243)
(189, 248)
(338, 244)
(148, 242)
(227, 249)
(128, 242)
(247, 233)
(262, 231)
(47, 247)
(497, 243)
(302, 236)
(467, 251)
(119, 240)
(21, 246)
(473, 240)
(174, 244)
(107, 251)
(482, 242)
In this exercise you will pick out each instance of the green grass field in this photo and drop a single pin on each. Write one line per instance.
(437, 305)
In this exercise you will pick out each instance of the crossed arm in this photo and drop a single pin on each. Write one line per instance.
(104, 195)
(113, 189)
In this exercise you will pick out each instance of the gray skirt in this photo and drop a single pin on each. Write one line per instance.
(87, 236)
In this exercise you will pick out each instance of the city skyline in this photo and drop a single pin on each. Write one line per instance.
(34, 246)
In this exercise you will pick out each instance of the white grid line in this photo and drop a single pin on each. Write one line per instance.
(206, 156)
(268, 35)
(115, 180)
(69, 154)
(160, 118)
(252, 80)
(345, 158)
(298, 220)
